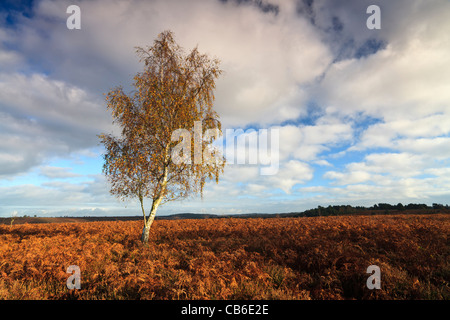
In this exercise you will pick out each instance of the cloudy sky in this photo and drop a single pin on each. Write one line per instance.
(363, 115)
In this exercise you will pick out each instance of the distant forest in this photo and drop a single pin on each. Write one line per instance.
(337, 210)
(380, 208)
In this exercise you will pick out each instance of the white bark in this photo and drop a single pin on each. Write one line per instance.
(156, 202)
(146, 230)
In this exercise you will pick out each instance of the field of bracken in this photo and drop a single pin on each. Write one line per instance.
(276, 258)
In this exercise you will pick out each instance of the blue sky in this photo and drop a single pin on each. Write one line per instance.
(363, 115)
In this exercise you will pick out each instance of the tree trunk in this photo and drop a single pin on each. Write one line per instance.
(146, 230)
(145, 234)
(156, 201)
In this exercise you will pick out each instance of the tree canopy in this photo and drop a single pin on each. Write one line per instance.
(174, 91)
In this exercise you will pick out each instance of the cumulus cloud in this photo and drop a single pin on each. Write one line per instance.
(375, 165)
(366, 111)
(402, 132)
(291, 173)
(57, 172)
(404, 80)
(266, 56)
(44, 118)
(308, 142)
(60, 197)
(403, 84)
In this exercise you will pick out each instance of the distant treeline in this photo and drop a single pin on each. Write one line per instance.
(338, 210)
(380, 208)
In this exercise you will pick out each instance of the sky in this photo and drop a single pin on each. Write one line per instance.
(363, 114)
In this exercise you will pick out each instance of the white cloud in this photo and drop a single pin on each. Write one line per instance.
(307, 142)
(350, 177)
(401, 132)
(60, 197)
(384, 177)
(43, 118)
(405, 85)
(395, 164)
(57, 172)
(409, 79)
(377, 167)
(291, 173)
(275, 65)
(266, 57)
(435, 148)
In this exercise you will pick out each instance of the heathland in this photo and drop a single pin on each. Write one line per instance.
(230, 258)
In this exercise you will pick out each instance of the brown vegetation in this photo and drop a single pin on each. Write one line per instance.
(289, 258)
